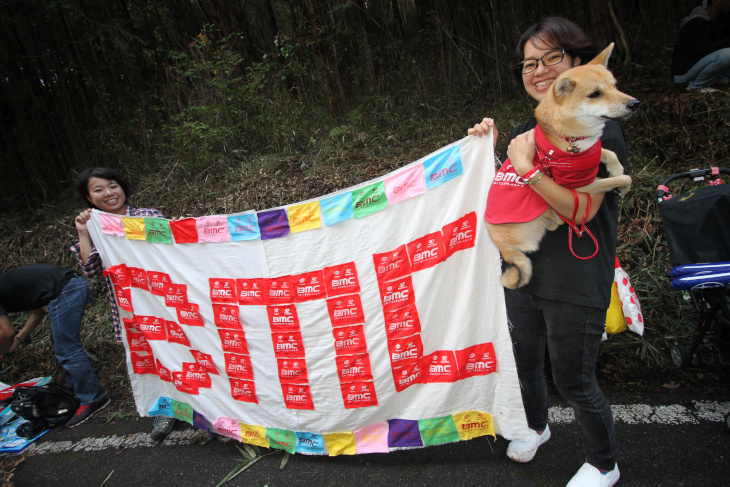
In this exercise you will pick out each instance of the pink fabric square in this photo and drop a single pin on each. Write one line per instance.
(372, 439)
(406, 184)
(111, 224)
(228, 427)
(213, 229)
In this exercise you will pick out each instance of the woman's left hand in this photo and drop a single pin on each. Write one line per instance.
(521, 152)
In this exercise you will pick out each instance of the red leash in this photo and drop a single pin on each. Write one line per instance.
(579, 231)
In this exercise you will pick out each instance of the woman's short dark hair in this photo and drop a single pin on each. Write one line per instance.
(558, 33)
(82, 181)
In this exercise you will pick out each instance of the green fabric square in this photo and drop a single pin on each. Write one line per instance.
(182, 411)
(158, 230)
(436, 431)
(370, 199)
(282, 439)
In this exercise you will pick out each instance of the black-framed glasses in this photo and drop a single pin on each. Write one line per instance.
(549, 59)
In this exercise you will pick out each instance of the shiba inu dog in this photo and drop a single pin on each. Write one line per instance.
(571, 118)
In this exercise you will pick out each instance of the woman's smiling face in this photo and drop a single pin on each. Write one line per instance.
(107, 195)
(538, 82)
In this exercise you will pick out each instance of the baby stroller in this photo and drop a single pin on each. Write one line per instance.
(697, 228)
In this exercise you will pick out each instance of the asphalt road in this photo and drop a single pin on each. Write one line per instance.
(667, 437)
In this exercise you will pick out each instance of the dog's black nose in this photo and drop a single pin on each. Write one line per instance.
(633, 105)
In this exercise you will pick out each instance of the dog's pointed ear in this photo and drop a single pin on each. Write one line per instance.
(603, 57)
(563, 86)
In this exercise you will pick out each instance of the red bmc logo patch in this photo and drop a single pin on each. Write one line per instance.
(426, 251)
(440, 366)
(252, 291)
(233, 341)
(238, 366)
(349, 340)
(477, 360)
(158, 281)
(243, 390)
(392, 265)
(297, 396)
(189, 314)
(280, 290)
(288, 345)
(223, 290)
(143, 364)
(407, 350)
(175, 333)
(139, 278)
(402, 322)
(226, 316)
(309, 286)
(397, 294)
(292, 370)
(283, 318)
(461, 234)
(345, 310)
(359, 394)
(341, 279)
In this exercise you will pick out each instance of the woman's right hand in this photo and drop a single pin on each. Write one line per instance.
(483, 128)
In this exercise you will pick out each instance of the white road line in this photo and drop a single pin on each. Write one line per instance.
(708, 411)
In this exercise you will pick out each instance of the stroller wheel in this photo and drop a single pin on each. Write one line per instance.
(680, 355)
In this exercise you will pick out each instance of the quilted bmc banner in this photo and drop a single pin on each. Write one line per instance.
(368, 320)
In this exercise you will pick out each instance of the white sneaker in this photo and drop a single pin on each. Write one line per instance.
(524, 451)
(590, 476)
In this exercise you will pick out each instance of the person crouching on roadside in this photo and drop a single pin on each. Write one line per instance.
(107, 190)
(66, 294)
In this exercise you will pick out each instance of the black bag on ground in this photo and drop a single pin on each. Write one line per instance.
(45, 406)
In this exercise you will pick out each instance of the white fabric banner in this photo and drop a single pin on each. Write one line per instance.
(390, 311)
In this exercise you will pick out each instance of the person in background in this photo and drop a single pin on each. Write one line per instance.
(66, 294)
(564, 304)
(106, 190)
(701, 55)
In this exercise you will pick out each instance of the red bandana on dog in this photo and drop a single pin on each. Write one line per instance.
(510, 200)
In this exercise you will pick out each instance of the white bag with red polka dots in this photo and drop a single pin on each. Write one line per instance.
(629, 301)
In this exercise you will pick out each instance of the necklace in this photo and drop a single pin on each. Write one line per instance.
(573, 148)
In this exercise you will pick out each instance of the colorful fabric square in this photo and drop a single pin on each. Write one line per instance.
(282, 439)
(473, 424)
(163, 407)
(436, 431)
(134, 227)
(310, 443)
(337, 208)
(200, 422)
(111, 224)
(443, 167)
(184, 231)
(372, 439)
(273, 224)
(369, 200)
(304, 217)
(406, 184)
(254, 435)
(244, 227)
(158, 230)
(228, 427)
(182, 411)
(403, 433)
(340, 443)
(212, 229)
